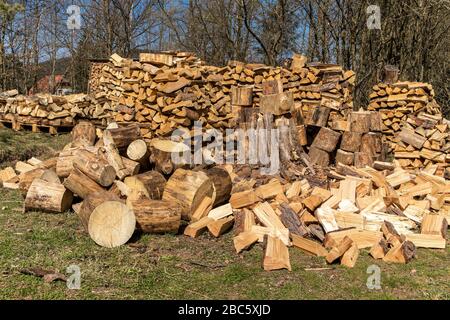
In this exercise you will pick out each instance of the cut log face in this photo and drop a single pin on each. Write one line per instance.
(48, 197)
(401, 253)
(138, 151)
(277, 104)
(319, 157)
(351, 141)
(360, 121)
(156, 216)
(84, 134)
(222, 184)
(345, 157)
(91, 202)
(188, 188)
(111, 224)
(319, 117)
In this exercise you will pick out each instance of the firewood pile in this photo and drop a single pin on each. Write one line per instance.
(166, 91)
(45, 109)
(114, 181)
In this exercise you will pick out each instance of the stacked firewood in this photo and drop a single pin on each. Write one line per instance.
(171, 90)
(423, 141)
(398, 100)
(117, 185)
(44, 109)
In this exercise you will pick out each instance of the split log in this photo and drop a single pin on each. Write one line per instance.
(195, 229)
(309, 246)
(277, 104)
(64, 163)
(434, 224)
(48, 197)
(360, 121)
(27, 178)
(156, 216)
(319, 157)
(401, 253)
(379, 250)
(84, 134)
(276, 255)
(94, 167)
(319, 117)
(188, 188)
(245, 240)
(350, 256)
(338, 251)
(151, 183)
(219, 227)
(80, 184)
(111, 224)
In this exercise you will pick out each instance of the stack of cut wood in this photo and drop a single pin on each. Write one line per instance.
(398, 100)
(51, 110)
(356, 141)
(423, 141)
(167, 91)
(95, 71)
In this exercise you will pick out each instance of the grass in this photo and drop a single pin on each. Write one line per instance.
(177, 267)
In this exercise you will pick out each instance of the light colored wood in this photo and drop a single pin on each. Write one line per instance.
(276, 255)
(245, 240)
(220, 226)
(308, 246)
(203, 209)
(363, 238)
(151, 183)
(94, 167)
(111, 224)
(48, 197)
(350, 256)
(195, 229)
(7, 174)
(221, 212)
(427, 240)
(401, 253)
(326, 217)
(338, 250)
(80, 184)
(434, 225)
(267, 216)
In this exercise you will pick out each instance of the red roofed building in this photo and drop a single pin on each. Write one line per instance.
(46, 85)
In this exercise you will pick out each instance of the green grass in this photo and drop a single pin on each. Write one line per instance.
(178, 267)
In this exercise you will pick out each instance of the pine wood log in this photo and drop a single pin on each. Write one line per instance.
(84, 134)
(338, 251)
(94, 167)
(326, 140)
(276, 255)
(81, 185)
(138, 151)
(111, 224)
(219, 227)
(242, 96)
(132, 168)
(111, 154)
(124, 136)
(188, 188)
(196, 228)
(151, 183)
(91, 202)
(222, 184)
(48, 197)
(64, 163)
(345, 157)
(245, 240)
(351, 141)
(156, 216)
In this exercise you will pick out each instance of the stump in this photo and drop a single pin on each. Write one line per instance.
(188, 188)
(156, 216)
(48, 197)
(111, 224)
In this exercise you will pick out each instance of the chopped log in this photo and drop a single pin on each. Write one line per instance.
(156, 216)
(363, 159)
(326, 140)
(112, 155)
(245, 240)
(277, 104)
(276, 255)
(195, 229)
(64, 163)
(151, 183)
(132, 168)
(138, 151)
(124, 136)
(350, 256)
(161, 154)
(379, 249)
(23, 167)
(48, 197)
(202, 210)
(272, 87)
(7, 174)
(411, 138)
(319, 117)
(309, 246)
(80, 184)
(222, 184)
(188, 188)
(312, 202)
(219, 227)
(363, 238)
(242, 96)
(393, 238)
(84, 134)
(338, 251)
(94, 167)
(351, 141)
(244, 221)
(221, 212)
(244, 199)
(401, 253)
(291, 220)
(111, 224)
(434, 224)
(92, 201)
(345, 157)
(27, 178)
(319, 157)
(432, 241)
(301, 134)
(360, 121)
(379, 165)
(326, 217)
